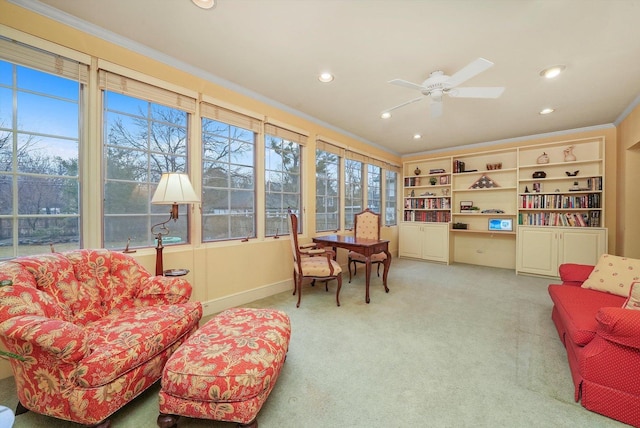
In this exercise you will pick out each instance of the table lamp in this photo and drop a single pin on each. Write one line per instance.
(174, 189)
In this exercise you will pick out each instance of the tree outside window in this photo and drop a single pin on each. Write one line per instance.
(353, 190)
(374, 186)
(142, 140)
(39, 146)
(390, 198)
(327, 191)
(228, 181)
(282, 183)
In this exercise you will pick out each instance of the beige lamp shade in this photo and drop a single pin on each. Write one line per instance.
(174, 188)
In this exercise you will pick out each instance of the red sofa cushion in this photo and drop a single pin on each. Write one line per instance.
(577, 308)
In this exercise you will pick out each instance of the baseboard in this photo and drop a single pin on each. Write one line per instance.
(217, 305)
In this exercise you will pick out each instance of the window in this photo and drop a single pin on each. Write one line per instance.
(374, 186)
(143, 138)
(282, 160)
(353, 190)
(327, 191)
(40, 115)
(390, 198)
(228, 174)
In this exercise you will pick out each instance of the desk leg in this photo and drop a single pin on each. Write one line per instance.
(368, 276)
(387, 264)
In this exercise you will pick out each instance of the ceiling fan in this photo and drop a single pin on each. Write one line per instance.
(439, 84)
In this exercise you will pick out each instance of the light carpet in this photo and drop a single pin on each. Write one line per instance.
(448, 346)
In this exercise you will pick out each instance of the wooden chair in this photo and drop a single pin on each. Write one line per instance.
(366, 225)
(311, 263)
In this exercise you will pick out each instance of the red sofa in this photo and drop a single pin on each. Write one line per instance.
(602, 340)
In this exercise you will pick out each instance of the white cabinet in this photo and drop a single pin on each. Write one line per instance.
(541, 250)
(428, 241)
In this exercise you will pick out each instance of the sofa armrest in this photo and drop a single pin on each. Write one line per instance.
(164, 290)
(66, 341)
(574, 274)
(619, 325)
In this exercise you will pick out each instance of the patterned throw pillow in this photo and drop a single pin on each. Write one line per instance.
(614, 274)
(633, 302)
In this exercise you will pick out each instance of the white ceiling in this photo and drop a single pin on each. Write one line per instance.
(275, 49)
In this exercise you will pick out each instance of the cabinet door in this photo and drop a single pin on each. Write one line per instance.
(410, 238)
(582, 245)
(436, 242)
(538, 250)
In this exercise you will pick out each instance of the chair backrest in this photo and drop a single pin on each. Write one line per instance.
(293, 231)
(367, 225)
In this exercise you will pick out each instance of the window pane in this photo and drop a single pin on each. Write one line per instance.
(282, 183)
(39, 147)
(143, 140)
(327, 191)
(353, 187)
(228, 181)
(374, 184)
(390, 198)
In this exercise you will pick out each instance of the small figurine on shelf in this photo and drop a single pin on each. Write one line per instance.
(526, 189)
(413, 193)
(543, 158)
(568, 154)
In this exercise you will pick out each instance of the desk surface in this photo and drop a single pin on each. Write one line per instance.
(361, 245)
(348, 239)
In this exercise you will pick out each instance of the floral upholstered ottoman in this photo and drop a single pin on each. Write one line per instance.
(226, 370)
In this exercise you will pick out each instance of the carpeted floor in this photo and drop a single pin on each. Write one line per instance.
(449, 346)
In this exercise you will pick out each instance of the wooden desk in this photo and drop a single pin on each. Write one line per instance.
(367, 247)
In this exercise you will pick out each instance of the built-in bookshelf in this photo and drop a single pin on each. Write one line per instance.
(427, 191)
(561, 184)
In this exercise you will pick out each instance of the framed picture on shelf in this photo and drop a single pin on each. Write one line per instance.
(537, 187)
(465, 206)
(444, 179)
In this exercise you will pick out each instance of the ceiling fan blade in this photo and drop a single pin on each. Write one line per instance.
(436, 109)
(476, 92)
(405, 103)
(469, 71)
(406, 84)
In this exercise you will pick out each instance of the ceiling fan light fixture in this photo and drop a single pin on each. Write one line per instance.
(385, 115)
(205, 4)
(547, 110)
(325, 77)
(552, 72)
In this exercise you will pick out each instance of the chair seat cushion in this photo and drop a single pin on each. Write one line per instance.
(318, 266)
(123, 341)
(377, 257)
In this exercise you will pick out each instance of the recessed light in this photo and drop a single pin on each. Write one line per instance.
(417, 136)
(385, 115)
(325, 77)
(547, 110)
(552, 72)
(204, 4)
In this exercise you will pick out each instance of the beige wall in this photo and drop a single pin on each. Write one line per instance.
(628, 175)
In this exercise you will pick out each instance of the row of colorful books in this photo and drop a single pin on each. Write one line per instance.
(592, 200)
(590, 219)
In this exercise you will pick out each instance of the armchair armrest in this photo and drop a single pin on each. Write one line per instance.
(66, 341)
(574, 274)
(619, 325)
(163, 290)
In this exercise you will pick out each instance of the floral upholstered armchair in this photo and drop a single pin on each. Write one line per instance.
(94, 329)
